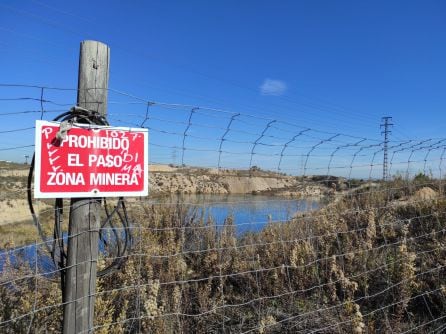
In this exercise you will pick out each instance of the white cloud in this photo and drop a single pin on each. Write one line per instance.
(273, 87)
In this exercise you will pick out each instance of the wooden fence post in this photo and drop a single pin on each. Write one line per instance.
(84, 224)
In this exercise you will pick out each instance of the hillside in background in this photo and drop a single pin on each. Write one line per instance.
(373, 261)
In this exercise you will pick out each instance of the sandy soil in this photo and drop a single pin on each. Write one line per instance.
(14, 172)
(16, 210)
(165, 179)
(161, 168)
(201, 181)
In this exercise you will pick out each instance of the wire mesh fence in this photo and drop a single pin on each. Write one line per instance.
(324, 246)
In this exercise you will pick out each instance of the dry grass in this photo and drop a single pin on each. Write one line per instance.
(336, 266)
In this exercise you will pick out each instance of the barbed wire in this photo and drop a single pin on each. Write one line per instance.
(257, 141)
(250, 272)
(376, 246)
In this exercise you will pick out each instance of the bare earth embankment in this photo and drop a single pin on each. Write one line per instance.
(164, 180)
(371, 261)
(170, 180)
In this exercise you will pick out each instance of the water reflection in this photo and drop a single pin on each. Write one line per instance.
(250, 212)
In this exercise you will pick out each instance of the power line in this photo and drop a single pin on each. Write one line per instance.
(318, 121)
(386, 124)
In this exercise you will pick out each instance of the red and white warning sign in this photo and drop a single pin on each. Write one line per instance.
(90, 161)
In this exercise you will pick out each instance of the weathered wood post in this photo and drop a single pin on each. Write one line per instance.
(83, 229)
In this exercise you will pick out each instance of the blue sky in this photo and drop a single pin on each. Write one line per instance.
(333, 66)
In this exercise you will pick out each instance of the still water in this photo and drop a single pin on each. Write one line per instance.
(250, 212)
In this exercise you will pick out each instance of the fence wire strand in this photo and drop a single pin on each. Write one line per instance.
(352, 254)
